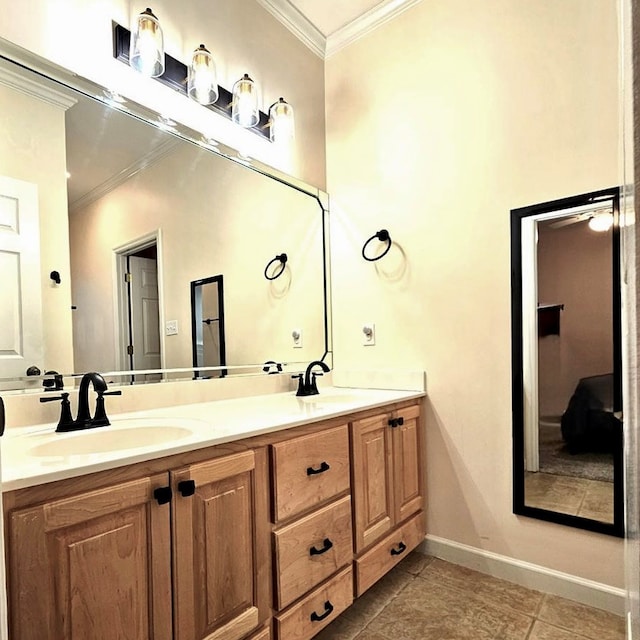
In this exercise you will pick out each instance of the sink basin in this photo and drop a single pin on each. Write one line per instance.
(105, 439)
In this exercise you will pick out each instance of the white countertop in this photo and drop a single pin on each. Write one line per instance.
(36, 454)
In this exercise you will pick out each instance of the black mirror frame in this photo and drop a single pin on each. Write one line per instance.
(519, 507)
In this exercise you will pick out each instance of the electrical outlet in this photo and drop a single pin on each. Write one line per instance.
(369, 334)
(171, 328)
(296, 334)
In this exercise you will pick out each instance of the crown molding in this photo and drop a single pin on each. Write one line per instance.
(366, 23)
(125, 174)
(35, 89)
(298, 24)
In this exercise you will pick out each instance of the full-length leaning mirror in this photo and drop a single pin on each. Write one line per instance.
(107, 215)
(567, 382)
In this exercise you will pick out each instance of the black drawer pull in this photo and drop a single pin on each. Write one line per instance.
(187, 488)
(400, 421)
(392, 422)
(163, 494)
(314, 472)
(402, 547)
(327, 545)
(328, 610)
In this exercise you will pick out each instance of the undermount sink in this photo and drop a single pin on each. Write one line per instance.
(128, 435)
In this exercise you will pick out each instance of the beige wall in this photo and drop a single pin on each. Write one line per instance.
(243, 36)
(37, 155)
(217, 217)
(438, 124)
(574, 269)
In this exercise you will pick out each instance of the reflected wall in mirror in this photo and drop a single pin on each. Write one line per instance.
(140, 197)
(567, 378)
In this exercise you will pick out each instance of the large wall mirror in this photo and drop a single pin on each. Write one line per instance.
(567, 379)
(108, 213)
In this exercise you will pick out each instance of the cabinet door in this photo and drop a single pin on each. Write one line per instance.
(372, 479)
(94, 565)
(407, 468)
(215, 565)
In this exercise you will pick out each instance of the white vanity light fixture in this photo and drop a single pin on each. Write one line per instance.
(281, 122)
(601, 221)
(244, 105)
(202, 80)
(146, 54)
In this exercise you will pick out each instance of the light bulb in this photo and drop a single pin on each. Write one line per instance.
(244, 110)
(281, 122)
(601, 222)
(146, 53)
(202, 78)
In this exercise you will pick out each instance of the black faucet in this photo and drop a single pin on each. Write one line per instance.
(84, 419)
(307, 384)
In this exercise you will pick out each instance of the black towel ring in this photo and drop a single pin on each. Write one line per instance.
(383, 236)
(282, 259)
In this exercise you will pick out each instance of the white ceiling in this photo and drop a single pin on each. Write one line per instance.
(326, 26)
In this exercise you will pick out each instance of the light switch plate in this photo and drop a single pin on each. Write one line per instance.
(171, 328)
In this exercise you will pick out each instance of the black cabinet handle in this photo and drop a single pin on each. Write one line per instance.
(314, 472)
(400, 421)
(163, 494)
(392, 422)
(327, 544)
(187, 488)
(402, 547)
(328, 610)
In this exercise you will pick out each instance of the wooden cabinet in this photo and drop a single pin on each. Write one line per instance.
(93, 565)
(387, 479)
(99, 564)
(271, 535)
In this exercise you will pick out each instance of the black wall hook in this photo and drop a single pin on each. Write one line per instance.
(383, 236)
(55, 276)
(282, 259)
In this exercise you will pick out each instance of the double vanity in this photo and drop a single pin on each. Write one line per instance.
(251, 518)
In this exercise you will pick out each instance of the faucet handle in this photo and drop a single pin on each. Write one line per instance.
(300, 391)
(314, 387)
(65, 423)
(100, 418)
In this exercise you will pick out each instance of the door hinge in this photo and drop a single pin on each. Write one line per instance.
(130, 350)
(127, 277)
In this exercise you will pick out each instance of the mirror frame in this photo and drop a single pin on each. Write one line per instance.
(55, 74)
(518, 361)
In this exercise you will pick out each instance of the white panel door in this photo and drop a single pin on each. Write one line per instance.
(20, 292)
(145, 321)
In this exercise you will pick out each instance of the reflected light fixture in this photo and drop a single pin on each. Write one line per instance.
(281, 123)
(146, 54)
(601, 222)
(244, 110)
(202, 82)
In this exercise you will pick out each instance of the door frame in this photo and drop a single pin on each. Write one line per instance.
(120, 295)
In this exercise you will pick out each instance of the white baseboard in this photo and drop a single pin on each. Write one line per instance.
(526, 574)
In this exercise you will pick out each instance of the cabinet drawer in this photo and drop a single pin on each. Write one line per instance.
(311, 549)
(317, 610)
(309, 470)
(388, 552)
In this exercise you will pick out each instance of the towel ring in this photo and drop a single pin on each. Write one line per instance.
(282, 259)
(383, 236)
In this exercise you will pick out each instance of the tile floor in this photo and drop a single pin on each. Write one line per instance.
(424, 598)
(565, 494)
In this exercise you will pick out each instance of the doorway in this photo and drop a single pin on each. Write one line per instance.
(140, 345)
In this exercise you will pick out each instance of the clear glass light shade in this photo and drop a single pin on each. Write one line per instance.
(146, 53)
(281, 123)
(601, 222)
(244, 109)
(202, 84)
